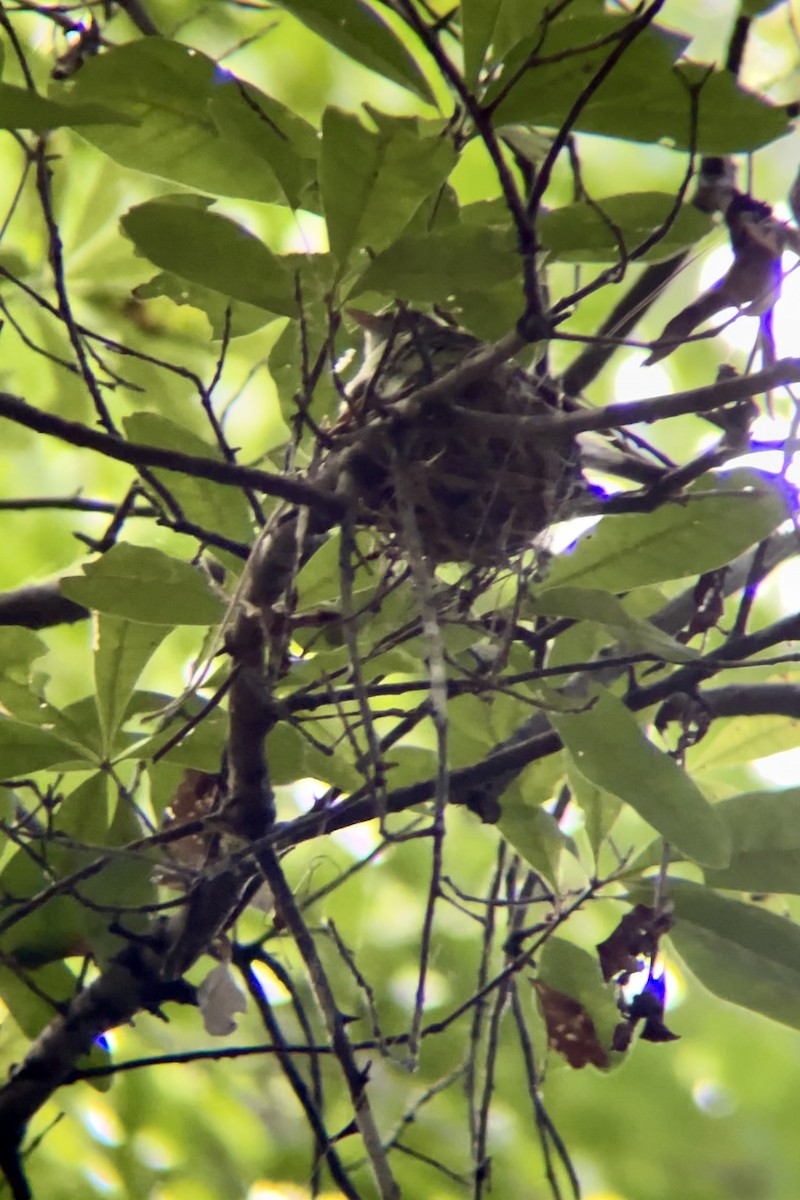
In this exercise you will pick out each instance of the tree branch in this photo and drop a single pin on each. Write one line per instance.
(138, 455)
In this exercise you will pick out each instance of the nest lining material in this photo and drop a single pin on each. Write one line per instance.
(476, 495)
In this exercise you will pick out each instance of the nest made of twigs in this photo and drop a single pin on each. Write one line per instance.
(461, 489)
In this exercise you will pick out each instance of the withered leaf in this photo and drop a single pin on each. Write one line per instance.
(637, 934)
(570, 1029)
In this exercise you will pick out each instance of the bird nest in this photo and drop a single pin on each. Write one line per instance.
(439, 476)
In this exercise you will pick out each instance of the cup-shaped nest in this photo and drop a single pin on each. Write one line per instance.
(463, 487)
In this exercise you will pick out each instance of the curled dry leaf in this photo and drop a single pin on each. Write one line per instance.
(636, 935)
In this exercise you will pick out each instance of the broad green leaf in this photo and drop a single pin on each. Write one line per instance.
(79, 724)
(18, 650)
(644, 98)
(534, 833)
(478, 18)
(374, 183)
(23, 109)
(591, 604)
(765, 839)
(286, 754)
(221, 509)
(168, 88)
(296, 345)
(408, 764)
(318, 581)
(432, 267)
(26, 748)
(615, 225)
(743, 953)
(83, 818)
(128, 882)
(362, 35)
(600, 808)
(144, 584)
(202, 748)
(52, 930)
(699, 533)
(273, 134)
(77, 921)
(244, 318)
(743, 739)
(332, 768)
(210, 250)
(611, 751)
(518, 20)
(122, 650)
(52, 985)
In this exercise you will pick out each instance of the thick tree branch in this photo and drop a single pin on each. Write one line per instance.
(622, 413)
(139, 455)
(131, 983)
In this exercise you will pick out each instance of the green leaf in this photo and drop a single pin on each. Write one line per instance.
(765, 838)
(534, 833)
(51, 930)
(600, 809)
(754, 8)
(433, 266)
(18, 650)
(78, 922)
(333, 769)
(478, 18)
(297, 345)
(168, 88)
(26, 748)
(244, 318)
(644, 98)
(285, 749)
(127, 882)
(360, 33)
(23, 109)
(203, 748)
(273, 134)
(610, 750)
(591, 604)
(144, 584)
(740, 952)
(743, 739)
(34, 1007)
(210, 250)
(122, 650)
(615, 225)
(222, 509)
(79, 724)
(374, 183)
(699, 533)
